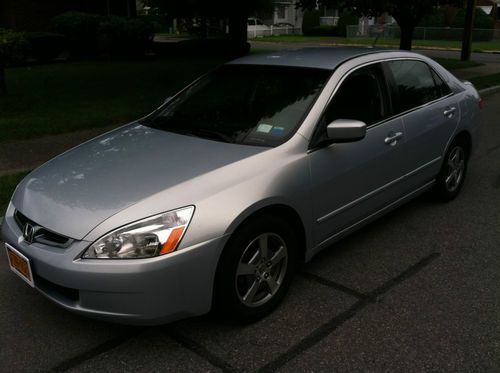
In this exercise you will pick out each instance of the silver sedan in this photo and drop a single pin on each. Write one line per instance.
(213, 200)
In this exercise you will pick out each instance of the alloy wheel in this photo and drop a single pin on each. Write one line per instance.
(456, 168)
(261, 269)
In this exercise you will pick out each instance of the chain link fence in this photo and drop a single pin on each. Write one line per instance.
(420, 33)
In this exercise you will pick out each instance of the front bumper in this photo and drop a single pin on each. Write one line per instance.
(133, 291)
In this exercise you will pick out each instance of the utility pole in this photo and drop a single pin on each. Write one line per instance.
(469, 24)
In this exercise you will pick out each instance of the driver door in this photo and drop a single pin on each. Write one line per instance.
(350, 181)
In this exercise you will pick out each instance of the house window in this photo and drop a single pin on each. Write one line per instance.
(281, 11)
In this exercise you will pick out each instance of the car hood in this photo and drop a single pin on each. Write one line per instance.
(78, 190)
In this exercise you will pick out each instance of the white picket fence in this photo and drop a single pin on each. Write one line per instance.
(259, 31)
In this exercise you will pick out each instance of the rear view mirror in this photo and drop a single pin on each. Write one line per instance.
(346, 130)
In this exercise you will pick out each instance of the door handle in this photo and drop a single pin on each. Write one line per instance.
(449, 112)
(392, 138)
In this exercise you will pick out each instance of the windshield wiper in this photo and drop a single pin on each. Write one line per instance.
(202, 133)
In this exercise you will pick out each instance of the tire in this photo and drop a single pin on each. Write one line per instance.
(249, 283)
(451, 177)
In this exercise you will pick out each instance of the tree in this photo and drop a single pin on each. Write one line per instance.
(407, 13)
(469, 23)
(3, 84)
(13, 46)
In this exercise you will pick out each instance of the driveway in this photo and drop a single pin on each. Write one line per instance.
(417, 290)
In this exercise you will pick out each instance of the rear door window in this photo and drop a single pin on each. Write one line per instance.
(416, 84)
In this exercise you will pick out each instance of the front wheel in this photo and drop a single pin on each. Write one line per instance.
(255, 269)
(452, 174)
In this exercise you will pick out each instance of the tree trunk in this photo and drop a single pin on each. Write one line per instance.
(238, 28)
(406, 39)
(3, 85)
(469, 24)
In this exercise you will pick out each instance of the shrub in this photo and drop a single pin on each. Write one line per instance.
(436, 19)
(310, 21)
(125, 37)
(346, 19)
(45, 46)
(88, 35)
(483, 25)
(159, 22)
(14, 47)
(324, 30)
(481, 20)
(81, 31)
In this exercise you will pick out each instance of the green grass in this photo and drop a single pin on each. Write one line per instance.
(486, 81)
(7, 185)
(67, 97)
(391, 42)
(295, 39)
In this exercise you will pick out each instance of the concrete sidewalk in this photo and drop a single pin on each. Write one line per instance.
(25, 155)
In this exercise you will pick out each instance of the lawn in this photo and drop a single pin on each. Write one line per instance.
(390, 42)
(7, 185)
(65, 97)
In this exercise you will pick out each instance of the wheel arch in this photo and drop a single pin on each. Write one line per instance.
(280, 210)
(467, 138)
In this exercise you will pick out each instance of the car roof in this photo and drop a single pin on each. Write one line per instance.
(321, 58)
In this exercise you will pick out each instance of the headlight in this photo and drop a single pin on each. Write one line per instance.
(157, 235)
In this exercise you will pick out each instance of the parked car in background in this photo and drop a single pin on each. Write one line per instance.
(283, 25)
(215, 199)
(256, 28)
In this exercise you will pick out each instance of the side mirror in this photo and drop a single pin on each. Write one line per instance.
(346, 130)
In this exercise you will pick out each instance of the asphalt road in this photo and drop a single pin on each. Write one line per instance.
(417, 290)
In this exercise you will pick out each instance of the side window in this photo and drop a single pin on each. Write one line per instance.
(416, 84)
(362, 96)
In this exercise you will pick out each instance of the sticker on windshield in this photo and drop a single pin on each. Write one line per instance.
(277, 131)
(264, 128)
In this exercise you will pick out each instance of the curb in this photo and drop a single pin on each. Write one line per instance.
(489, 91)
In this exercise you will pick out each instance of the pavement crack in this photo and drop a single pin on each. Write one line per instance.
(326, 329)
(95, 351)
(493, 149)
(497, 182)
(200, 350)
(335, 285)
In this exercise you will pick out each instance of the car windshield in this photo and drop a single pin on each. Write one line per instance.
(243, 104)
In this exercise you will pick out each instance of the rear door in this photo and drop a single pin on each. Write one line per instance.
(430, 114)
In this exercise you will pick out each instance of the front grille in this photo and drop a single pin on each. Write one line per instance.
(42, 235)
